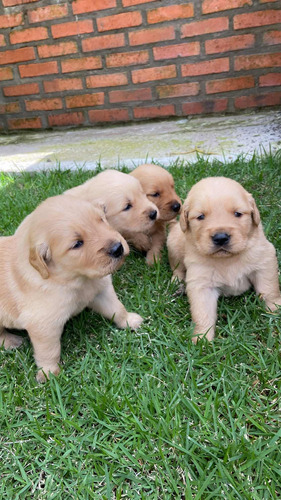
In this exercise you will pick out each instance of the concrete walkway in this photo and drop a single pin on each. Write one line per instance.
(218, 137)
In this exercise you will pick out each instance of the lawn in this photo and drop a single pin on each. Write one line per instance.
(147, 414)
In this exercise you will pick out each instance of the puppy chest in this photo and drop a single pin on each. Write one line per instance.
(235, 285)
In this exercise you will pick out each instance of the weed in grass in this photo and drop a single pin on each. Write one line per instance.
(146, 414)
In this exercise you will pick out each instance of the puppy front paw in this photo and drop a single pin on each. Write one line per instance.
(274, 304)
(133, 321)
(43, 374)
(10, 341)
(152, 257)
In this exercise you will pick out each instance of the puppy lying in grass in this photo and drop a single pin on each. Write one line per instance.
(126, 207)
(158, 185)
(219, 248)
(58, 262)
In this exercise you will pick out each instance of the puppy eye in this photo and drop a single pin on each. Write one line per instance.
(155, 195)
(201, 217)
(238, 214)
(77, 244)
(127, 207)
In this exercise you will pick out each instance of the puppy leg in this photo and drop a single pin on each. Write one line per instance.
(266, 283)
(8, 340)
(158, 240)
(108, 305)
(203, 305)
(140, 241)
(47, 348)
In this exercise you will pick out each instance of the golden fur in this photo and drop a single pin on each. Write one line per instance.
(158, 185)
(126, 207)
(58, 262)
(218, 209)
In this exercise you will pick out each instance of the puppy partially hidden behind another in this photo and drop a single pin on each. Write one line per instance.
(158, 185)
(127, 209)
(219, 248)
(58, 262)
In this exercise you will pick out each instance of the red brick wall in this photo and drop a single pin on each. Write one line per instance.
(82, 62)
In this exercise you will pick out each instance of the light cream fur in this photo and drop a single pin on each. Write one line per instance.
(45, 280)
(127, 208)
(158, 185)
(248, 259)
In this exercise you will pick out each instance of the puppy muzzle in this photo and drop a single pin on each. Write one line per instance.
(221, 239)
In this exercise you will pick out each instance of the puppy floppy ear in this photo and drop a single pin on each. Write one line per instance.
(39, 258)
(184, 224)
(254, 211)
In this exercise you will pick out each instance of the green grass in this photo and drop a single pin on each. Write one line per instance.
(146, 414)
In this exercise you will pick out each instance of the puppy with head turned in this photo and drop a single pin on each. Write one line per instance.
(219, 248)
(58, 262)
(159, 187)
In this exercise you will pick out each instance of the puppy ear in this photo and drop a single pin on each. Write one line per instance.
(39, 257)
(184, 224)
(254, 211)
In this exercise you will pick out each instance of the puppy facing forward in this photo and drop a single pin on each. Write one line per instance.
(158, 185)
(126, 207)
(219, 248)
(58, 262)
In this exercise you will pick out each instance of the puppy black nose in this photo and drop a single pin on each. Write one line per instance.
(116, 250)
(221, 239)
(175, 207)
(153, 214)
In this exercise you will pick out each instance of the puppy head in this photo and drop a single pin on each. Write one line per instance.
(70, 238)
(158, 186)
(220, 215)
(127, 208)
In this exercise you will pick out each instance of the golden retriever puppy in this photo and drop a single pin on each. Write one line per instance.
(219, 248)
(127, 209)
(158, 185)
(58, 262)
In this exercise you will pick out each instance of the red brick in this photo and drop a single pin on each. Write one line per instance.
(130, 95)
(205, 107)
(38, 69)
(43, 104)
(270, 80)
(111, 80)
(28, 35)
(272, 37)
(206, 67)
(83, 6)
(118, 21)
(81, 64)
(62, 84)
(178, 90)
(152, 35)
(227, 44)
(257, 61)
(254, 19)
(108, 115)
(2, 41)
(6, 74)
(22, 89)
(258, 101)
(60, 49)
(17, 55)
(11, 107)
(179, 50)
(103, 42)
(209, 6)
(11, 20)
(24, 123)
(228, 84)
(150, 74)
(66, 119)
(127, 58)
(11, 3)
(81, 101)
(72, 28)
(47, 13)
(213, 25)
(170, 13)
(129, 3)
(155, 111)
